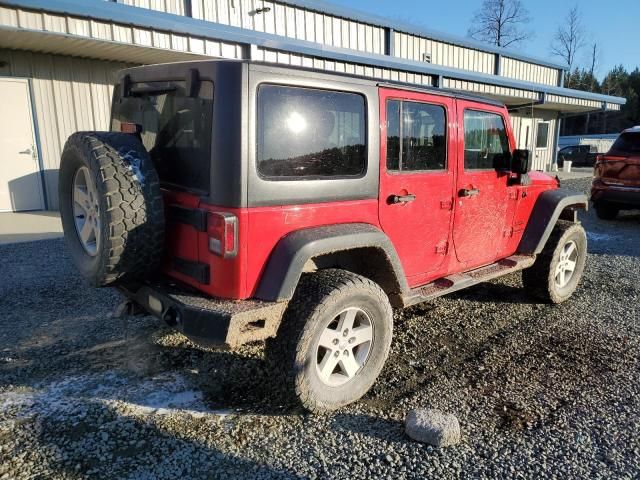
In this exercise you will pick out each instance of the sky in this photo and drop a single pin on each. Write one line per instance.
(613, 25)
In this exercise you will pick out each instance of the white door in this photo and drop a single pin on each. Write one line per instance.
(20, 186)
(525, 139)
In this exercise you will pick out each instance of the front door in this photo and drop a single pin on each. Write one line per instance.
(417, 170)
(19, 173)
(483, 191)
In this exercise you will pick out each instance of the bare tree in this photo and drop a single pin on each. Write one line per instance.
(501, 23)
(569, 38)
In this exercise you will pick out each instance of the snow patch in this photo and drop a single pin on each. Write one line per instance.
(163, 394)
(599, 237)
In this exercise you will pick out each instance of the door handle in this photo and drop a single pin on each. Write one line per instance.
(25, 152)
(402, 198)
(468, 192)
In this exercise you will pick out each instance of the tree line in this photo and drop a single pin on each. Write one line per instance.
(504, 23)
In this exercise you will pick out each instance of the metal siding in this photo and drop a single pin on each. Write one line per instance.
(69, 94)
(332, 66)
(413, 47)
(529, 72)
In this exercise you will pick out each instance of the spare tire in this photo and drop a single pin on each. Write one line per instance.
(111, 207)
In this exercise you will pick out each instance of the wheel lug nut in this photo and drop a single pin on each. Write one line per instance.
(346, 332)
(346, 353)
(336, 341)
(352, 339)
(337, 354)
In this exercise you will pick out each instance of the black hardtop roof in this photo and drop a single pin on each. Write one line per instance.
(314, 72)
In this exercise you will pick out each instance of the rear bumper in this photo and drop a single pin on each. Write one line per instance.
(618, 195)
(206, 321)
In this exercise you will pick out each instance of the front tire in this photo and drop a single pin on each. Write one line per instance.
(334, 339)
(557, 271)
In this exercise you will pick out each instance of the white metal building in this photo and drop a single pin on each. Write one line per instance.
(58, 58)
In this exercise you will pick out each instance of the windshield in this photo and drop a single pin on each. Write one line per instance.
(627, 144)
(174, 128)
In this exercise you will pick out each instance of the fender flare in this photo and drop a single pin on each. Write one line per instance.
(549, 207)
(284, 268)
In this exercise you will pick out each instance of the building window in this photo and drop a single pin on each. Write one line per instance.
(306, 133)
(485, 140)
(542, 138)
(416, 136)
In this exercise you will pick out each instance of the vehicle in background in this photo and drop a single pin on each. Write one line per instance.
(579, 155)
(616, 182)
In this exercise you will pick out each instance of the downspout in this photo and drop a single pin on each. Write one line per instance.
(556, 142)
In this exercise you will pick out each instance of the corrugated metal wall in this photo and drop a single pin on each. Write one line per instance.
(315, 26)
(69, 94)
(542, 157)
(483, 88)
(279, 19)
(530, 72)
(286, 58)
(114, 32)
(414, 48)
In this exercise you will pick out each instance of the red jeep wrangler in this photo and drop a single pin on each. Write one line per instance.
(241, 201)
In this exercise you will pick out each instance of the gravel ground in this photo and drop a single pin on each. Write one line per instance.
(539, 390)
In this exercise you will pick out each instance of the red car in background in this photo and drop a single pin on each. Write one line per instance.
(616, 182)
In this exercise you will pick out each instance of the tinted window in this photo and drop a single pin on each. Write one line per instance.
(542, 139)
(305, 133)
(627, 143)
(416, 136)
(174, 128)
(485, 140)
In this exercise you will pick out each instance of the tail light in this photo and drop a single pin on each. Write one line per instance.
(222, 228)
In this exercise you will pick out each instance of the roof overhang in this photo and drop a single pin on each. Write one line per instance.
(510, 91)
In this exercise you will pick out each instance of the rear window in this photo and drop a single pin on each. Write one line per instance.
(627, 143)
(174, 127)
(305, 133)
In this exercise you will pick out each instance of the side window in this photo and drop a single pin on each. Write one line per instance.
(305, 133)
(416, 136)
(485, 140)
(542, 139)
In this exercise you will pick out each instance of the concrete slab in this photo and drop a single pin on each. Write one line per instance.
(29, 226)
(577, 172)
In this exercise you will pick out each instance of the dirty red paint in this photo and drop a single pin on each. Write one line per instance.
(437, 234)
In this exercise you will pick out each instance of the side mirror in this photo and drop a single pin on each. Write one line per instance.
(520, 162)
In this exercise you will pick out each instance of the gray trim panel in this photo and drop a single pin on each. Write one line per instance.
(263, 192)
(290, 255)
(545, 214)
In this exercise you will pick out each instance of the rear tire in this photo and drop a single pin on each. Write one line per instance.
(332, 312)
(605, 211)
(111, 207)
(557, 271)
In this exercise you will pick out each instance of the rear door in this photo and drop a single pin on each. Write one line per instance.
(485, 203)
(418, 158)
(174, 123)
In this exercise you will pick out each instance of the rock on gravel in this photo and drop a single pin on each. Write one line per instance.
(433, 427)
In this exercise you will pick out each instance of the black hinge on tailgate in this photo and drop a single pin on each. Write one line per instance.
(196, 270)
(195, 217)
